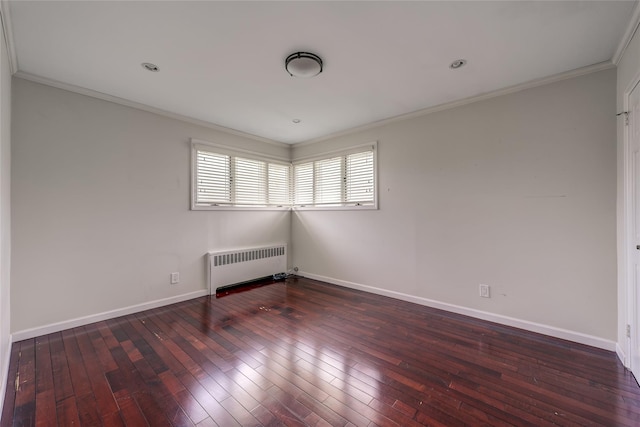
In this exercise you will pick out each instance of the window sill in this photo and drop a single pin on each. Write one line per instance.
(285, 208)
(240, 208)
(335, 208)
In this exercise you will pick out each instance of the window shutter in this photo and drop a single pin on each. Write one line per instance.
(328, 181)
(303, 184)
(278, 192)
(224, 178)
(213, 179)
(250, 182)
(359, 178)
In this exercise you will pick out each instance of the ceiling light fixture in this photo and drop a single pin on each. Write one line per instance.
(458, 63)
(150, 67)
(303, 64)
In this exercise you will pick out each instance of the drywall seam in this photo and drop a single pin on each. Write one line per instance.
(552, 331)
(81, 321)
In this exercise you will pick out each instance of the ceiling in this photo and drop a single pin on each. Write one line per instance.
(223, 62)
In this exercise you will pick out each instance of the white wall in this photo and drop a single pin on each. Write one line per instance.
(5, 213)
(628, 74)
(101, 207)
(517, 192)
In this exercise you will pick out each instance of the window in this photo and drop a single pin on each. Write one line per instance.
(345, 179)
(359, 182)
(213, 178)
(279, 184)
(303, 184)
(249, 182)
(224, 178)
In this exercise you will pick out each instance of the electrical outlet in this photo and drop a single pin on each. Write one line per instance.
(175, 278)
(485, 291)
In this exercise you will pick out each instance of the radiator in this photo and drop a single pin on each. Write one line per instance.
(244, 265)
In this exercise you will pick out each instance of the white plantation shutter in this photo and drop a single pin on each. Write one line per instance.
(359, 180)
(303, 184)
(250, 182)
(278, 191)
(213, 179)
(344, 180)
(328, 181)
(224, 178)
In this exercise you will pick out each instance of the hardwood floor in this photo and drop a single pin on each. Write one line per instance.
(309, 353)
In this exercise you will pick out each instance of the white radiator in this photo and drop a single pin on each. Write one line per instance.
(244, 265)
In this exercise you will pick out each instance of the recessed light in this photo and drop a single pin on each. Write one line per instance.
(458, 63)
(296, 121)
(150, 67)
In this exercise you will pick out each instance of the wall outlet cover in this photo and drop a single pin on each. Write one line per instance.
(485, 291)
(175, 278)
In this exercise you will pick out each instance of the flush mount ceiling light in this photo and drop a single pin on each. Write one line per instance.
(150, 67)
(458, 63)
(303, 64)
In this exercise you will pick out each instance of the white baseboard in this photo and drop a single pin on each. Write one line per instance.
(81, 321)
(5, 375)
(622, 356)
(552, 331)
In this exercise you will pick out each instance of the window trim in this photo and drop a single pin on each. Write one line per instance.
(197, 144)
(371, 146)
(233, 152)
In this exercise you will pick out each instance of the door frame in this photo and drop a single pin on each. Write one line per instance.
(632, 315)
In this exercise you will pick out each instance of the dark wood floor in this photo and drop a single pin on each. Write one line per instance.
(308, 353)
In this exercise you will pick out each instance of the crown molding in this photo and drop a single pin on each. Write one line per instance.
(5, 18)
(423, 112)
(632, 27)
(459, 103)
(117, 100)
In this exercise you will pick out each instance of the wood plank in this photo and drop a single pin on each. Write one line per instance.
(103, 401)
(60, 368)
(6, 420)
(24, 412)
(204, 399)
(306, 353)
(45, 394)
(67, 412)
